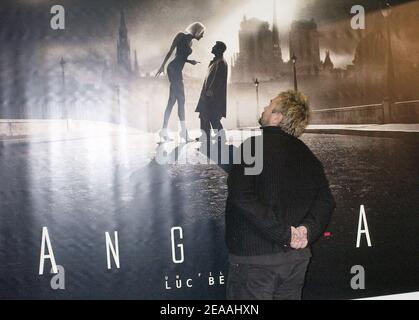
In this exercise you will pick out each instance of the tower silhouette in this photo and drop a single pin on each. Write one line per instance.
(276, 44)
(123, 46)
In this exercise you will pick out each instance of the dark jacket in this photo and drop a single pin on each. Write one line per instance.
(213, 99)
(291, 190)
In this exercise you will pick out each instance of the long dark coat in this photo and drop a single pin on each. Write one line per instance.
(213, 100)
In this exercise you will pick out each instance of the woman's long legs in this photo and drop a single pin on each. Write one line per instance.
(177, 93)
(170, 103)
(180, 96)
(180, 91)
(164, 135)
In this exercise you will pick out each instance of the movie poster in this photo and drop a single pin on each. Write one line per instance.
(105, 193)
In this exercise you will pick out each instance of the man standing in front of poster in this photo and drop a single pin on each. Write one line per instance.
(273, 217)
(212, 104)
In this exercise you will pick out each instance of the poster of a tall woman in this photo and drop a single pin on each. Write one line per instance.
(183, 45)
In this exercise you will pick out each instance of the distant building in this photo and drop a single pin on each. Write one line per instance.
(260, 53)
(328, 64)
(123, 50)
(276, 43)
(123, 46)
(370, 56)
(304, 44)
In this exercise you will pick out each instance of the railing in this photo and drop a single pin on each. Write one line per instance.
(399, 112)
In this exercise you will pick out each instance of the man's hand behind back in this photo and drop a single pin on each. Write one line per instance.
(299, 237)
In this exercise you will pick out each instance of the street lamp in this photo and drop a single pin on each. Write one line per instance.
(119, 103)
(294, 61)
(256, 82)
(64, 111)
(148, 121)
(389, 99)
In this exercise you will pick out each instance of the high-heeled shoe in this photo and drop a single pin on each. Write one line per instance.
(164, 136)
(185, 136)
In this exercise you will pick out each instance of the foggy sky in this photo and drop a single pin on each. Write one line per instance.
(91, 26)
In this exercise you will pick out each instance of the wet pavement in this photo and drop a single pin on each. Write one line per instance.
(82, 188)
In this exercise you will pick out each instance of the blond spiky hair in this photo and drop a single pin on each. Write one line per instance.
(295, 109)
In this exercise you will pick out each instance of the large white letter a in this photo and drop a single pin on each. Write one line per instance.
(363, 220)
(50, 255)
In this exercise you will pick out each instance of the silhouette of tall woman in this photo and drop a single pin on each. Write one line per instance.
(183, 45)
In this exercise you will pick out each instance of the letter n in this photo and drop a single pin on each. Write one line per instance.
(110, 248)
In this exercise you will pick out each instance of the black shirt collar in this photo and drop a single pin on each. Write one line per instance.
(273, 129)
